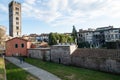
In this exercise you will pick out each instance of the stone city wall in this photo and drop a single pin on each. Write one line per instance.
(60, 54)
(98, 59)
(40, 53)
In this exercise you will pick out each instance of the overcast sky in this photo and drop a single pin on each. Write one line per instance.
(44, 16)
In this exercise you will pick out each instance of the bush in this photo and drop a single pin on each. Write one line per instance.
(83, 45)
(113, 45)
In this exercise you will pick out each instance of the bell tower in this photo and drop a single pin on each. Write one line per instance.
(14, 19)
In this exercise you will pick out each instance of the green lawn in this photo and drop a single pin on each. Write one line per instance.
(2, 72)
(15, 73)
(72, 73)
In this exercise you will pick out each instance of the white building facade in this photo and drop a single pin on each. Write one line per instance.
(99, 36)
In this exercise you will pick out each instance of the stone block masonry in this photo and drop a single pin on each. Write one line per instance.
(107, 60)
(40, 53)
(99, 59)
(61, 53)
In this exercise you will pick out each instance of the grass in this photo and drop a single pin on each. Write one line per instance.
(2, 72)
(15, 73)
(72, 73)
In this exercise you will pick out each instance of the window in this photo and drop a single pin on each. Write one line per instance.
(17, 8)
(16, 45)
(106, 36)
(17, 27)
(22, 45)
(81, 36)
(111, 30)
(17, 13)
(116, 36)
(111, 35)
(17, 18)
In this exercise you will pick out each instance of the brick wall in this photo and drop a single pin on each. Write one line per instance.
(11, 49)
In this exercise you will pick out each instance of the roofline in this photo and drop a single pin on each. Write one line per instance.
(18, 38)
(13, 1)
(100, 30)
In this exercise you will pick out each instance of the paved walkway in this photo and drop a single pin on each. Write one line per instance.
(37, 72)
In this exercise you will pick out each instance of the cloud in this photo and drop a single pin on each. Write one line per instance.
(43, 12)
(3, 8)
(57, 12)
(30, 1)
(112, 8)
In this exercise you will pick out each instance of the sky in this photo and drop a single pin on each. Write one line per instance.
(45, 16)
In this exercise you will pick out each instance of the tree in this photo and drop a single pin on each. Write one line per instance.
(52, 39)
(70, 39)
(113, 45)
(74, 33)
(83, 45)
(62, 38)
(57, 36)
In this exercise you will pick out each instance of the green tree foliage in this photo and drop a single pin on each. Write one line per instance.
(83, 45)
(70, 39)
(74, 33)
(62, 38)
(52, 39)
(113, 45)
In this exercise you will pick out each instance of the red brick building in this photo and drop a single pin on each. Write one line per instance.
(17, 46)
